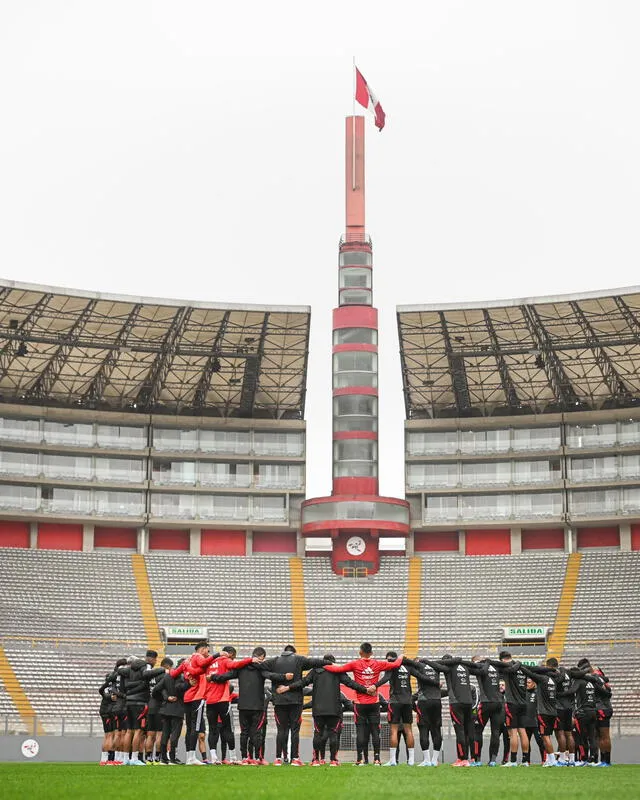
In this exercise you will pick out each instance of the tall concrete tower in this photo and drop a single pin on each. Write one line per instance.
(355, 516)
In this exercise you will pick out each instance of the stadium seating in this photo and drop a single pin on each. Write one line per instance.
(341, 613)
(467, 600)
(6, 704)
(243, 601)
(52, 593)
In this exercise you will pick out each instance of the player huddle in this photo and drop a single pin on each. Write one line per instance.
(144, 708)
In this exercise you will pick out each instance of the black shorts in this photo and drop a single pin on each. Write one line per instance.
(516, 715)
(366, 713)
(564, 720)
(108, 722)
(429, 713)
(603, 717)
(121, 721)
(546, 724)
(137, 716)
(154, 722)
(400, 713)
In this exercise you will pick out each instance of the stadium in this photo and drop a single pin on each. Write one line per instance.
(172, 596)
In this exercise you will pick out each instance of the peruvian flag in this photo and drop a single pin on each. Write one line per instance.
(367, 99)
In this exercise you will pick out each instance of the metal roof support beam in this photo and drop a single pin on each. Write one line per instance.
(9, 351)
(629, 317)
(611, 376)
(40, 389)
(100, 380)
(252, 374)
(561, 386)
(508, 386)
(212, 366)
(458, 373)
(148, 395)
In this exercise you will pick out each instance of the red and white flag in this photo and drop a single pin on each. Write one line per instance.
(367, 99)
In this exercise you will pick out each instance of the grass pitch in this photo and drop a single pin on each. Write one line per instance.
(46, 781)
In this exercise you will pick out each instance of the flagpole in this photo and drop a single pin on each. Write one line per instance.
(353, 130)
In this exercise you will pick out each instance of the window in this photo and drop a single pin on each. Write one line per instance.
(356, 509)
(351, 278)
(355, 413)
(545, 504)
(630, 467)
(629, 432)
(120, 470)
(235, 507)
(19, 463)
(72, 501)
(169, 439)
(130, 504)
(631, 500)
(488, 506)
(19, 498)
(486, 474)
(485, 441)
(594, 503)
(78, 467)
(354, 458)
(69, 434)
(269, 508)
(173, 506)
(221, 474)
(355, 257)
(121, 436)
(441, 507)
(355, 369)
(355, 336)
(536, 438)
(429, 476)
(278, 444)
(280, 476)
(591, 435)
(547, 471)
(355, 297)
(236, 442)
(432, 443)
(165, 472)
(20, 430)
(593, 469)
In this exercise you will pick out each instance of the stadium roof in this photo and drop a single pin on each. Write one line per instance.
(73, 348)
(535, 355)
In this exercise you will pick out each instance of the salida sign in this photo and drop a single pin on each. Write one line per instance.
(521, 632)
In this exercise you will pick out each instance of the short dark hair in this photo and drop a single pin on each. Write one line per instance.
(259, 651)
(166, 662)
(121, 662)
(229, 649)
(290, 649)
(504, 654)
(584, 662)
(201, 643)
(447, 655)
(391, 655)
(366, 647)
(329, 657)
(552, 662)
(151, 654)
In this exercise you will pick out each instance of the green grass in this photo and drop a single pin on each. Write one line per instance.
(22, 780)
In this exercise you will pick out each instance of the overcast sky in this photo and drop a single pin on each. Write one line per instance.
(195, 150)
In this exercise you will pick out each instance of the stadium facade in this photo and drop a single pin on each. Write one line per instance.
(523, 423)
(150, 424)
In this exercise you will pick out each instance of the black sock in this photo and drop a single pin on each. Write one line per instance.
(112, 755)
(526, 757)
(513, 757)
(140, 756)
(606, 756)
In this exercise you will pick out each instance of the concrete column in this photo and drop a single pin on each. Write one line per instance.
(249, 543)
(195, 536)
(33, 535)
(516, 541)
(408, 544)
(87, 537)
(462, 542)
(142, 541)
(569, 540)
(300, 549)
(625, 537)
